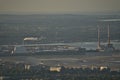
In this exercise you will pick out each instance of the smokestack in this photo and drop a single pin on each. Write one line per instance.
(98, 38)
(108, 34)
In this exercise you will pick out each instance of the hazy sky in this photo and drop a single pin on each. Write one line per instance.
(59, 6)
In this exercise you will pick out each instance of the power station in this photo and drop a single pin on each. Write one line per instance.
(109, 46)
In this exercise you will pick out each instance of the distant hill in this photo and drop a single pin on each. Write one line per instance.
(56, 28)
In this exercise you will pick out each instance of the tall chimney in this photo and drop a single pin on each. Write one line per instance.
(98, 38)
(108, 34)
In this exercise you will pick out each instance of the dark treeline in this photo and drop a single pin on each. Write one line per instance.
(11, 71)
